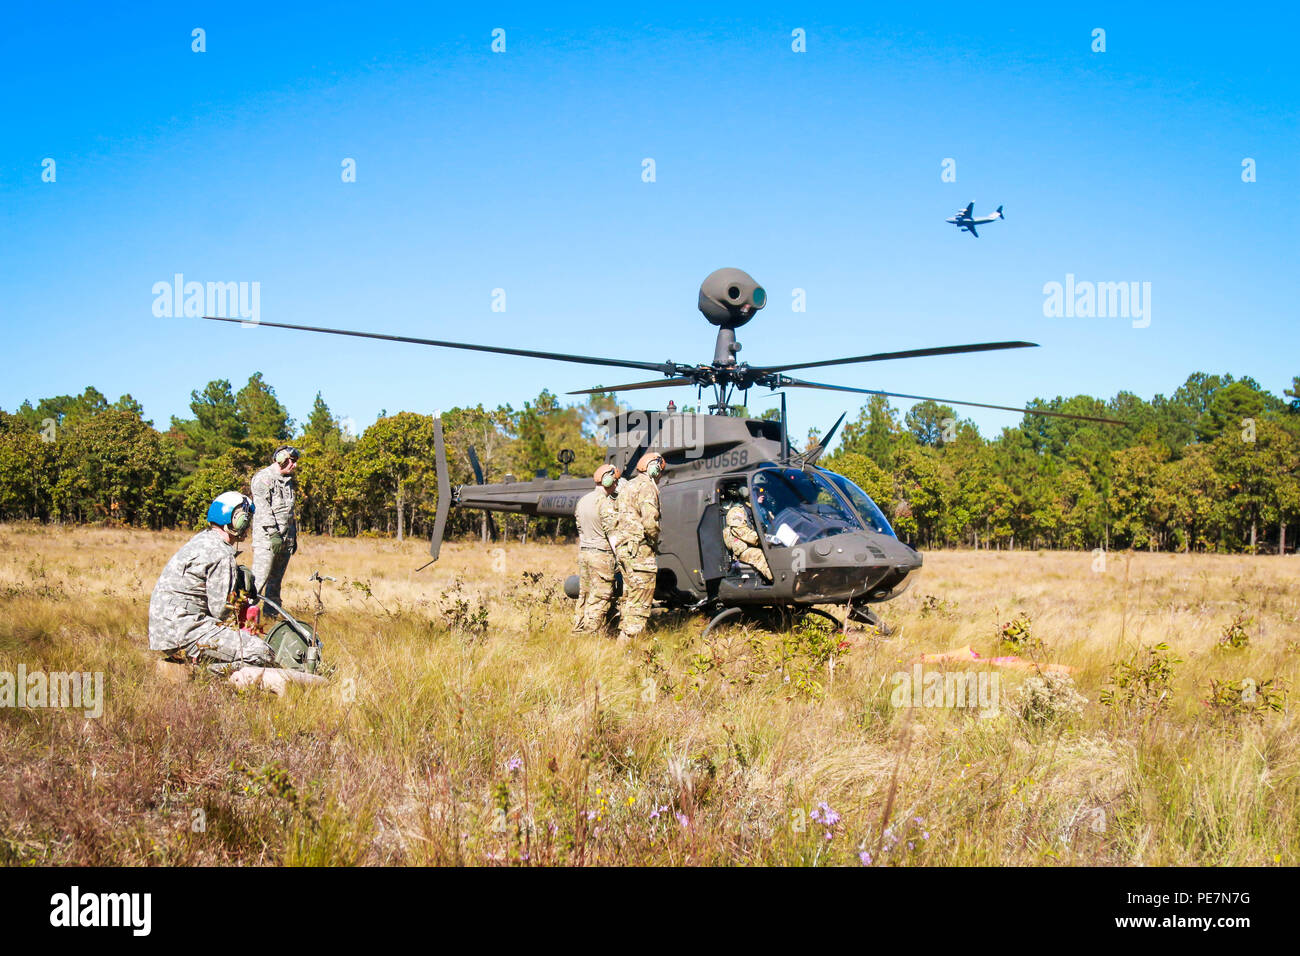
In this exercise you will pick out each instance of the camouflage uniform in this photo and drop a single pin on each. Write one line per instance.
(597, 514)
(638, 540)
(273, 496)
(742, 540)
(190, 599)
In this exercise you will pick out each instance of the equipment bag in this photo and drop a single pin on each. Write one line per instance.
(293, 651)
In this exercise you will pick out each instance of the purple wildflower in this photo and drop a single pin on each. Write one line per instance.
(824, 815)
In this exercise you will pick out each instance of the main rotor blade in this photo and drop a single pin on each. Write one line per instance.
(660, 383)
(909, 353)
(666, 367)
(796, 383)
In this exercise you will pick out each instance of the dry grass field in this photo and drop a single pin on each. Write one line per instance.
(465, 724)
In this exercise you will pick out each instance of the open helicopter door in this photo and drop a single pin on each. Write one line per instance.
(715, 559)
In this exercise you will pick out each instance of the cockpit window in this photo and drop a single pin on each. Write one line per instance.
(871, 515)
(795, 506)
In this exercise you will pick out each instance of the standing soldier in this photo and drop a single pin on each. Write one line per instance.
(191, 596)
(275, 532)
(637, 542)
(740, 537)
(597, 514)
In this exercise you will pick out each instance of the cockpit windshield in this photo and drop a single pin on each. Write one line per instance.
(794, 506)
(871, 515)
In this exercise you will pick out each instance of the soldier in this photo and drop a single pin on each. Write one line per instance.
(597, 514)
(275, 532)
(191, 596)
(740, 537)
(636, 542)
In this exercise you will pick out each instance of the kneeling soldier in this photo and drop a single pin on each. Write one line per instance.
(597, 514)
(191, 596)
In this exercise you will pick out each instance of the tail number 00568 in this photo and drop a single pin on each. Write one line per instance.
(728, 459)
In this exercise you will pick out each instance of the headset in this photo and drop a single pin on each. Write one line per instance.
(652, 464)
(231, 510)
(241, 517)
(284, 454)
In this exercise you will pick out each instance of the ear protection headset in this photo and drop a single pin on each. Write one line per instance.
(285, 454)
(241, 517)
(652, 464)
(231, 510)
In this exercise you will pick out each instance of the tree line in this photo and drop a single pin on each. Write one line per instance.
(1214, 467)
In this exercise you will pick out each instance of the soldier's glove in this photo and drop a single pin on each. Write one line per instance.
(244, 581)
(276, 541)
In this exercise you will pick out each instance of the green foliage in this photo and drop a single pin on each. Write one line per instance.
(1235, 634)
(804, 651)
(462, 611)
(215, 427)
(932, 605)
(1143, 682)
(263, 417)
(230, 471)
(1247, 698)
(874, 432)
(392, 467)
(1018, 635)
(114, 466)
(1214, 467)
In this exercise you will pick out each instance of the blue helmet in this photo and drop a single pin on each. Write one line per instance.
(231, 510)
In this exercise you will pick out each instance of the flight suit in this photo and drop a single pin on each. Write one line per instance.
(742, 540)
(273, 496)
(638, 542)
(597, 516)
(189, 601)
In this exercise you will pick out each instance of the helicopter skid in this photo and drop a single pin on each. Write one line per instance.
(775, 617)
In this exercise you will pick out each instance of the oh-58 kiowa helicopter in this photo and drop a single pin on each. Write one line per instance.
(826, 541)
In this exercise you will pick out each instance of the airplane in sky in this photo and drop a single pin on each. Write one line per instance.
(964, 220)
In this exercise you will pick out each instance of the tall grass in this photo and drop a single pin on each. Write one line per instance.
(444, 741)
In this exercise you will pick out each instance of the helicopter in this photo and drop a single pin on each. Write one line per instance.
(826, 542)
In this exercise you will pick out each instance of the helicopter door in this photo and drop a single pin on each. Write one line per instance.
(715, 559)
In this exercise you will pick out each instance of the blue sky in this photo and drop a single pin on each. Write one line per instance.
(522, 171)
